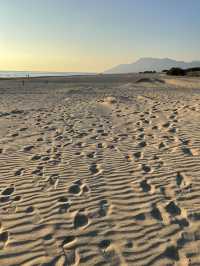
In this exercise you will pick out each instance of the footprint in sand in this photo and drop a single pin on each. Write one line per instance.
(155, 157)
(101, 145)
(161, 145)
(140, 136)
(50, 245)
(38, 170)
(156, 213)
(63, 204)
(23, 129)
(128, 244)
(187, 151)
(168, 192)
(30, 209)
(146, 121)
(172, 253)
(68, 241)
(78, 188)
(146, 168)
(172, 130)
(182, 180)
(155, 127)
(138, 155)
(141, 129)
(173, 209)
(142, 144)
(79, 144)
(85, 188)
(145, 186)
(8, 191)
(13, 135)
(4, 199)
(52, 182)
(128, 157)
(183, 222)
(140, 217)
(91, 155)
(110, 253)
(17, 198)
(64, 207)
(104, 244)
(36, 157)
(139, 123)
(105, 134)
(54, 162)
(63, 199)
(190, 152)
(19, 172)
(100, 131)
(45, 158)
(159, 164)
(185, 141)
(95, 169)
(75, 189)
(80, 220)
(169, 214)
(103, 208)
(72, 257)
(173, 116)
(39, 139)
(166, 125)
(34, 214)
(3, 238)
(28, 148)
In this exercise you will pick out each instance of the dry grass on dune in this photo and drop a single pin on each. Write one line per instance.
(190, 83)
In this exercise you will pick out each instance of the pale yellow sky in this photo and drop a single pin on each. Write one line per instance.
(93, 36)
(54, 63)
(47, 58)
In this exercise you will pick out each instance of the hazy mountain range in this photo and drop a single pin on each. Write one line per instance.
(150, 64)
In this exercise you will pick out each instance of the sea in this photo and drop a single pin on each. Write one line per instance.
(22, 74)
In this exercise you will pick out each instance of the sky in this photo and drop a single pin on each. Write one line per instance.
(95, 35)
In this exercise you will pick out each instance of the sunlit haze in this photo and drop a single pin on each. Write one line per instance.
(92, 36)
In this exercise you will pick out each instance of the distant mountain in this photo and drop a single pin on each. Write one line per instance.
(150, 64)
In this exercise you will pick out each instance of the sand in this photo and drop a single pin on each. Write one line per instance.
(99, 172)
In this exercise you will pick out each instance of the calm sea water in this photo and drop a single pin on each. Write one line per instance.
(21, 74)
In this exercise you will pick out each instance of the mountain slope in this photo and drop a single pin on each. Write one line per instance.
(148, 64)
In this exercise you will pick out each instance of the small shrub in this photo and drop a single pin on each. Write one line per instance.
(193, 69)
(175, 71)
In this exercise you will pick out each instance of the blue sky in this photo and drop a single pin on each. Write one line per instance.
(94, 35)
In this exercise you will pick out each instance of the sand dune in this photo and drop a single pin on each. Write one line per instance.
(190, 83)
(99, 173)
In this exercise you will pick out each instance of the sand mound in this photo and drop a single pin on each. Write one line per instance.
(109, 100)
(150, 80)
(190, 83)
(142, 80)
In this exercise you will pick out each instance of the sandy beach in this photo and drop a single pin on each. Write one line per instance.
(100, 170)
